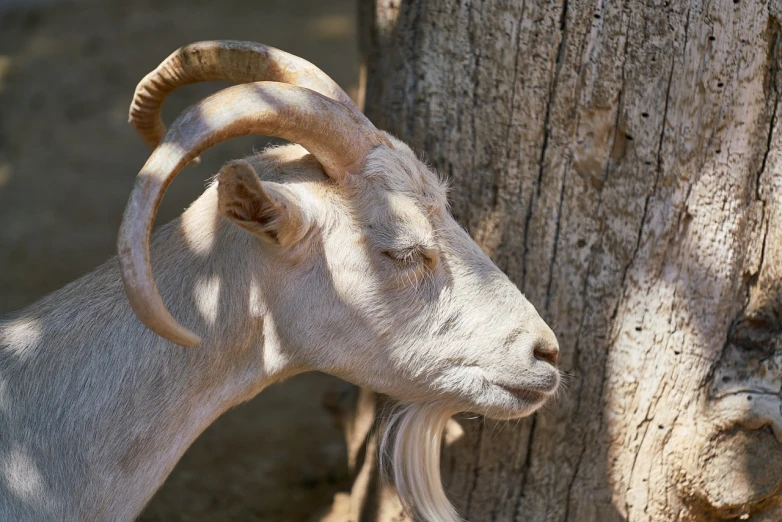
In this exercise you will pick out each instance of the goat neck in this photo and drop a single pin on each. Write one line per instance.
(95, 409)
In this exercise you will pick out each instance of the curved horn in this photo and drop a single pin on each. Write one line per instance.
(224, 60)
(326, 128)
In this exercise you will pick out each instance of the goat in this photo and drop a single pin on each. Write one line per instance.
(334, 253)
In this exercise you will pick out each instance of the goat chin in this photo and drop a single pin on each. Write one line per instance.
(411, 446)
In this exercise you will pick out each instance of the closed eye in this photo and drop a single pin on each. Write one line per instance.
(413, 255)
(404, 256)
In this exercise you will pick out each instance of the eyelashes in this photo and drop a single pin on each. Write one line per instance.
(412, 256)
(405, 256)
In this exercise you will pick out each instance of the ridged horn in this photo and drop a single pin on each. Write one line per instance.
(328, 129)
(224, 60)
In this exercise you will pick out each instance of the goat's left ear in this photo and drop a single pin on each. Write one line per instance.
(268, 210)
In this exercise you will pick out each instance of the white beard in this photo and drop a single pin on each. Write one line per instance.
(410, 448)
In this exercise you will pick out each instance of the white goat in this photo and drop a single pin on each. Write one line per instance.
(341, 257)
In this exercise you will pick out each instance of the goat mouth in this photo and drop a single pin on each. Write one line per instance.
(525, 394)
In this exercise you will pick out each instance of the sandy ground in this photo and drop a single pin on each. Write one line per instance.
(67, 161)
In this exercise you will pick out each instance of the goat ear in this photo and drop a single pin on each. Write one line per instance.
(268, 210)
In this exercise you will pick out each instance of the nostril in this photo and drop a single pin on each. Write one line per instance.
(547, 352)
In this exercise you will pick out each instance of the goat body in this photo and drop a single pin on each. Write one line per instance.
(95, 409)
(340, 257)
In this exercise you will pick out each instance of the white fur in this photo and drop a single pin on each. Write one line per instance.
(372, 280)
(411, 444)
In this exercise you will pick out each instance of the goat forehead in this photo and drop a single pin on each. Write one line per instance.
(400, 172)
(396, 192)
(390, 170)
(287, 164)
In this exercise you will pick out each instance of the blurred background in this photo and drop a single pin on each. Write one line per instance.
(68, 157)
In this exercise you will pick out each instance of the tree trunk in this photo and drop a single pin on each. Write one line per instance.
(622, 163)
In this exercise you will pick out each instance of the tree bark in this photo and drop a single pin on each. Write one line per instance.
(622, 163)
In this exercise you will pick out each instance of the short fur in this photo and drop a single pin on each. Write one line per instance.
(370, 280)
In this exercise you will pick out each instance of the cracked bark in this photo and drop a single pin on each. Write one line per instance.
(622, 163)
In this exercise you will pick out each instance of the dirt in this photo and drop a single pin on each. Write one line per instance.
(67, 161)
